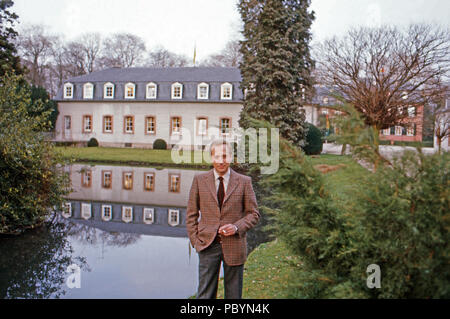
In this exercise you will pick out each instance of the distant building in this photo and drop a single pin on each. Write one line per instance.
(133, 107)
(410, 130)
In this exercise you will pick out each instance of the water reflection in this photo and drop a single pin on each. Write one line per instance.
(125, 227)
(34, 265)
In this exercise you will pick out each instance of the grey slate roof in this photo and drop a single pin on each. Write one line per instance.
(190, 77)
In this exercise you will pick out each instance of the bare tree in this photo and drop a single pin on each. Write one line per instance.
(58, 67)
(35, 48)
(383, 71)
(123, 50)
(161, 57)
(230, 56)
(439, 118)
(91, 44)
(74, 57)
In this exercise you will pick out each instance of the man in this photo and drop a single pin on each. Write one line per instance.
(221, 209)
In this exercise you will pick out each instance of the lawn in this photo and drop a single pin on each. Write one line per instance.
(267, 272)
(129, 156)
(343, 182)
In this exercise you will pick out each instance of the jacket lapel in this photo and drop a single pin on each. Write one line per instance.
(212, 185)
(232, 184)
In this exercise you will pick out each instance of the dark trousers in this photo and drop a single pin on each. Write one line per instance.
(208, 274)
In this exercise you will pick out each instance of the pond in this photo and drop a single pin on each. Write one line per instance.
(122, 235)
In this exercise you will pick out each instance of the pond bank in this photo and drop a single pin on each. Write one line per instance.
(128, 157)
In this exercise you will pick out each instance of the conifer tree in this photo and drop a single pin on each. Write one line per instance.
(276, 66)
(9, 61)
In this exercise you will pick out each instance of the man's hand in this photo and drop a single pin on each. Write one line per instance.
(228, 230)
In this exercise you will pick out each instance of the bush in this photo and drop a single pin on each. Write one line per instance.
(30, 182)
(159, 144)
(92, 142)
(314, 143)
(399, 220)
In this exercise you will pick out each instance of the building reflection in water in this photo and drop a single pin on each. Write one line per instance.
(138, 200)
(124, 226)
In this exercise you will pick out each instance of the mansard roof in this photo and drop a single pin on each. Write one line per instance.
(190, 77)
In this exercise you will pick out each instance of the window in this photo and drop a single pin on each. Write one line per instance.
(88, 91)
(106, 212)
(386, 131)
(128, 180)
(127, 214)
(108, 91)
(87, 123)
(151, 91)
(175, 125)
(202, 126)
(398, 130)
(130, 89)
(404, 95)
(411, 111)
(225, 125)
(67, 210)
(106, 179)
(128, 124)
(150, 125)
(149, 181)
(174, 183)
(177, 91)
(68, 91)
(411, 130)
(107, 124)
(149, 215)
(202, 91)
(226, 91)
(174, 217)
(86, 178)
(86, 211)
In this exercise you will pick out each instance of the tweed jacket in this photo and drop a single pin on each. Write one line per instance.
(204, 218)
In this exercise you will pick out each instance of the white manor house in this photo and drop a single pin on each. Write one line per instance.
(133, 107)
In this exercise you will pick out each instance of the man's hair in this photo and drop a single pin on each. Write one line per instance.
(219, 142)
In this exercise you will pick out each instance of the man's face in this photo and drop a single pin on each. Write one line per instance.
(221, 159)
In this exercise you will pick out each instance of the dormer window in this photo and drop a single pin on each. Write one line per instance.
(202, 91)
(226, 91)
(88, 91)
(68, 91)
(130, 90)
(151, 90)
(108, 91)
(174, 217)
(177, 91)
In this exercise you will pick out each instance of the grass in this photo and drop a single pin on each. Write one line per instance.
(267, 272)
(345, 181)
(129, 156)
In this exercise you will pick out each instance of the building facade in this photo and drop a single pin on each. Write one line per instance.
(134, 107)
(321, 115)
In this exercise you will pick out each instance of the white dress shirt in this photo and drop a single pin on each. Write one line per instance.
(226, 178)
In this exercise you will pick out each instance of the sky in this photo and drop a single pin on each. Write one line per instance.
(181, 25)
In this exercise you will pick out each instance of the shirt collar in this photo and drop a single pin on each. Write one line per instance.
(226, 176)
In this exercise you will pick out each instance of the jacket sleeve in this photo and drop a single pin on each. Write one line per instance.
(192, 212)
(251, 213)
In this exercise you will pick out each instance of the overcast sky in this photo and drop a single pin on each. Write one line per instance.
(179, 24)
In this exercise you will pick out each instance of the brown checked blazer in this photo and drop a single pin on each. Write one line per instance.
(204, 218)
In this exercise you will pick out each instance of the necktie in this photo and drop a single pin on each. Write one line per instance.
(220, 192)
